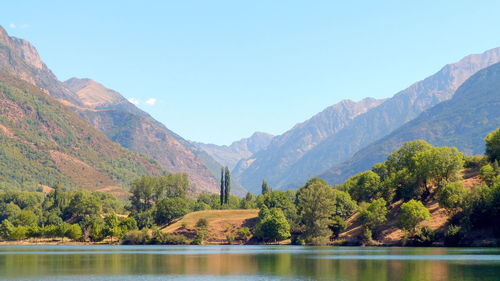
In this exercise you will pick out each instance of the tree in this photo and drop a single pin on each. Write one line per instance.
(143, 190)
(127, 224)
(82, 204)
(111, 226)
(93, 228)
(169, 209)
(492, 141)
(265, 188)
(6, 229)
(374, 214)
(74, 232)
(411, 214)
(24, 218)
(227, 185)
(452, 196)
(222, 187)
(316, 204)
(272, 226)
(279, 199)
(435, 165)
(364, 186)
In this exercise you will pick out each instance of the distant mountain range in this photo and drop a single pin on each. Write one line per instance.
(238, 150)
(463, 122)
(337, 133)
(110, 113)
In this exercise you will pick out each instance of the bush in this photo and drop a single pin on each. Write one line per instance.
(452, 196)
(475, 161)
(244, 233)
(200, 237)
(74, 232)
(137, 237)
(202, 223)
(453, 236)
(424, 237)
(230, 239)
(412, 213)
(367, 236)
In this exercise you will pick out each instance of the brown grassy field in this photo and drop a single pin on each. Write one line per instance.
(221, 223)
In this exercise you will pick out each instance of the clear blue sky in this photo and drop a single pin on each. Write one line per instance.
(220, 70)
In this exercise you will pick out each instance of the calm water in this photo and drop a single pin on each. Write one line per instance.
(246, 263)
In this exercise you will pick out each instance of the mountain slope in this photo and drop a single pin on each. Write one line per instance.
(273, 162)
(44, 143)
(462, 121)
(136, 130)
(238, 150)
(109, 112)
(381, 120)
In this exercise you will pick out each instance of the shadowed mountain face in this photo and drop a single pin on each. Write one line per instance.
(308, 158)
(123, 122)
(285, 150)
(238, 150)
(109, 112)
(45, 143)
(463, 121)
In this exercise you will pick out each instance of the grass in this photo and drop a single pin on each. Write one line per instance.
(221, 223)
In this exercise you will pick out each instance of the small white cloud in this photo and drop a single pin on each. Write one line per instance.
(151, 101)
(134, 101)
(12, 25)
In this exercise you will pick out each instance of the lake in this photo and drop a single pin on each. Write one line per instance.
(246, 263)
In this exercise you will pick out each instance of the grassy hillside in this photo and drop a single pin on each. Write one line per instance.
(220, 223)
(43, 142)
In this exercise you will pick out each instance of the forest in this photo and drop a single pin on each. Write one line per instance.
(396, 190)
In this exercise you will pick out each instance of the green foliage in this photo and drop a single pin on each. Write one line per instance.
(265, 188)
(367, 236)
(202, 223)
(452, 196)
(425, 236)
(489, 172)
(411, 214)
(316, 204)
(374, 214)
(74, 232)
(453, 236)
(244, 233)
(283, 200)
(169, 209)
(227, 185)
(272, 226)
(492, 141)
(337, 225)
(364, 186)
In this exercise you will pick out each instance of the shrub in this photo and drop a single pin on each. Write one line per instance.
(367, 236)
(453, 235)
(230, 238)
(244, 233)
(137, 237)
(412, 213)
(452, 196)
(200, 237)
(424, 237)
(202, 223)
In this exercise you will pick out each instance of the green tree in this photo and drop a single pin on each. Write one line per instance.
(283, 200)
(316, 204)
(24, 218)
(127, 224)
(411, 214)
(374, 214)
(452, 196)
(222, 187)
(6, 229)
(364, 186)
(74, 232)
(492, 142)
(93, 228)
(265, 188)
(112, 226)
(169, 209)
(227, 185)
(272, 226)
(82, 204)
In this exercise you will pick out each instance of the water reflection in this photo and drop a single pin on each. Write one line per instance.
(246, 263)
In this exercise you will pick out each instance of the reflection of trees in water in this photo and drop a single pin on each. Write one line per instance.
(293, 263)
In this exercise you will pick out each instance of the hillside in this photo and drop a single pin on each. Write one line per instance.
(109, 112)
(323, 152)
(273, 162)
(220, 223)
(44, 143)
(462, 121)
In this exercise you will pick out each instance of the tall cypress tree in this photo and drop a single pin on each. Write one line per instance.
(222, 185)
(265, 187)
(227, 185)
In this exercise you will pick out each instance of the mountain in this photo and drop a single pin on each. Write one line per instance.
(370, 126)
(273, 162)
(124, 123)
(238, 150)
(45, 143)
(109, 112)
(463, 121)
